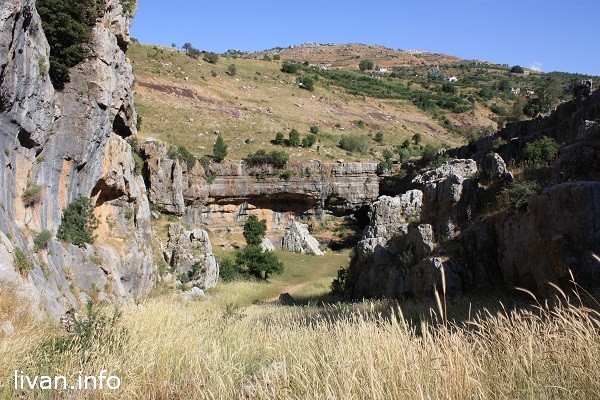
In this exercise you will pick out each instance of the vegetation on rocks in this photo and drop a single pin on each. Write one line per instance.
(78, 222)
(68, 29)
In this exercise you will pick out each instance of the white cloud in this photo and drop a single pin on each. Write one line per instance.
(536, 66)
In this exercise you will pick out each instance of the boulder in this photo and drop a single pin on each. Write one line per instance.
(495, 168)
(267, 245)
(185, 249)
(297, 239)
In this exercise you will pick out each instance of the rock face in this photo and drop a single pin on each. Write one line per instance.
(297, 239)
(68, 144)
(223, 195)
(559, 232)
(190, 253)
(554, 234)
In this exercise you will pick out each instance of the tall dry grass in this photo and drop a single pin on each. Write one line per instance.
(197, 350)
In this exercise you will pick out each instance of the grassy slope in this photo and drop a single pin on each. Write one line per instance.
(258, 102)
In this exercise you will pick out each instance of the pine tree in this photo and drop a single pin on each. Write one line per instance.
(219, 149)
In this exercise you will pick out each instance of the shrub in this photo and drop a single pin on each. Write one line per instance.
(278, 138)
(23, 263)
(294, 138)
(68, 26)
(254, 261)
(32, 194)
(306, 82)
(448, 88)
(353, 143)
(541, 151)
(517, 69)
(266, 58)
(278, 159)
(517, 194)
(231, 70)
(210, 57)
(309, 140)
(229, 271)
(435, 74)
(338, 286)
(417, 138)
(429, 153)
(254, 230)
(360, 123)
(290, 67)
(379, 137)
(42, 239)
(286, 174)
(365, 65)
(219, 149)
(182, 154)
(314, 129)
(277, 57)
(78, 222)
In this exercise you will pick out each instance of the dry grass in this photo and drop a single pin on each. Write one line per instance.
(195, 350)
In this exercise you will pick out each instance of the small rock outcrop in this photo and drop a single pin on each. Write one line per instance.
(190, 253)
(297, 239)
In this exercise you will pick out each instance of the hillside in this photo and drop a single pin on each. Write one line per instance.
(185, 101)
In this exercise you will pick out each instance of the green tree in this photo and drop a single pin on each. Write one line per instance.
(314, 129)
(549, 93)
(417, 138)
(448, 87)
(435, 74)
(68, 26)
(278, 138)
(354, 143)
(379, 137)
(261, 264)
(219, 149)
(290, 67)
(78, 222)
(517, 69)
(504, 85)
(254, 230)
(294, 138)
(365, 65)
(309, 140)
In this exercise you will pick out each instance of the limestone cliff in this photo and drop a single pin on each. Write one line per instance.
(222, 195)
(63, 145)
(444, 223)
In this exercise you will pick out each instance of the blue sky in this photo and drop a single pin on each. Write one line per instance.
(554, 35)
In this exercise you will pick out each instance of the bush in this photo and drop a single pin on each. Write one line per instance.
(306, 82)
(338, 286)
(435, 74)
(254, 261)
(517, 69)
(210, 57)
(541, 151)
(42, 239)
(379, 137)
(182, 154)
(231, 70)
(290, 67)
(229, 271)
(219, 149)
(279, 138)
(314, 129)
(78, 222)
(365, 65)
(32, 194)
(23, 263)
(448, 88)
(517, 194)
(417, 138)
(309, 140)
(254, 230)
(68, 26)
(294, 138)
(354, 143)
(429, 153)
(278, 159)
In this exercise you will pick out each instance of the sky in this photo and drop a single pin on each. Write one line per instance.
(549, 35)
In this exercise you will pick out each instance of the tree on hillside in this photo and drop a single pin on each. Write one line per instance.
(278, 138)
(261, 264)
(435, 74)
(365, 65)
(219, 149)
(294, 138)
(290, 67)
(231, 70)
(254, 230)
(517, 69)
(211, 57)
